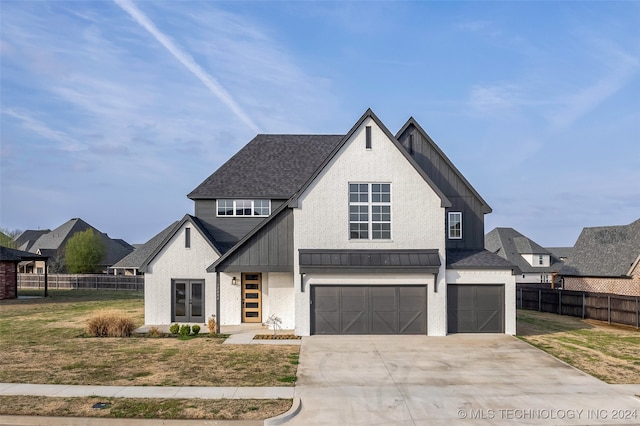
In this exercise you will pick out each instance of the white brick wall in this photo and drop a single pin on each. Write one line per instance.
(322, 219)
(279, 292)
(176, 261)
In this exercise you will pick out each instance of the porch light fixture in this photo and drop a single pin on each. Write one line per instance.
(234, 281)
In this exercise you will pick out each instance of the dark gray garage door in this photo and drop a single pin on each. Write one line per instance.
(368, 310)
(475, 308)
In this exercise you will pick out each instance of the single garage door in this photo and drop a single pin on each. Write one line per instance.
(475, 308)
(339, 309)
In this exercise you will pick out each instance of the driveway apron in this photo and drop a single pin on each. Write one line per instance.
(458, 379)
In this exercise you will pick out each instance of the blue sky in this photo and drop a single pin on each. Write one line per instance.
(113, 111)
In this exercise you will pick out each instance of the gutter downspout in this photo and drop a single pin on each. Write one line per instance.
(217, 302)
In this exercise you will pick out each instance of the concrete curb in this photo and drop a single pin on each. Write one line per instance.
(285, 417)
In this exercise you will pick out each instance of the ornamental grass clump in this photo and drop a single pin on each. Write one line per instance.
(110, 323)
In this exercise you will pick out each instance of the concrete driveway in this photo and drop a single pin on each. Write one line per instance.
(459, 379)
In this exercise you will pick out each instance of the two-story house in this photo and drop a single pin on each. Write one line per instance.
(537, 265)
(362, 233)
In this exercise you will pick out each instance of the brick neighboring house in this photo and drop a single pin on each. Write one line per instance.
(9, 259)
(605, 260)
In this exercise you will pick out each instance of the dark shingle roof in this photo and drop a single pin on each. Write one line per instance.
(607, 251)
(270, 166)
(26, 240)
(12, 255)
(561, 252)
(511, 245)
(477, 259)
(136, 258)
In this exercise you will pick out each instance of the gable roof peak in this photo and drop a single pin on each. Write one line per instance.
(370, 114)
(413, 123)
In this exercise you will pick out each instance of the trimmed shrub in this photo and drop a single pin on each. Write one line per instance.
(174, 329)
(195, 329)
(185, 330)
(110, 323)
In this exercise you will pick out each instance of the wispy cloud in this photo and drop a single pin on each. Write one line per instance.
(620, 68)
(185, 59)
(66, 142)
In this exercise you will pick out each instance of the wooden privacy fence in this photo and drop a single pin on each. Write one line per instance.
(612, 308)
(82, 282)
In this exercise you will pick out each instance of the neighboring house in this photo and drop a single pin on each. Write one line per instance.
(131, 264)
(9, 260)
(363, 233)
(53, 243)
(27, 239)
(605, 260)
(537, 265)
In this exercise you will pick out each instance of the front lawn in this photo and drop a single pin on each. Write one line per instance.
(43, 341)
(608, 352)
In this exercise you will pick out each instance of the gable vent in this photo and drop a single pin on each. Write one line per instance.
(368, 137)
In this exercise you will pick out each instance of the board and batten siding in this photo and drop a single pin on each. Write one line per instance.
(269, 250)
(228, 230)
(456, 190)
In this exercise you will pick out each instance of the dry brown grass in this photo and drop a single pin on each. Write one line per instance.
(608, 352)
(42, 342)
(219, 409)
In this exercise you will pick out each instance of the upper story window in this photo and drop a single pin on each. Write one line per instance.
(540, 259)
(187, 237)
(255, 208)
(370, 211)
(455, 225)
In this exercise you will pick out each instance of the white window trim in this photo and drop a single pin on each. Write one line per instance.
(370, 204)
(234, 200)
(451, 214)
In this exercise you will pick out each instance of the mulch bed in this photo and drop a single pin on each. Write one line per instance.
(276, 337)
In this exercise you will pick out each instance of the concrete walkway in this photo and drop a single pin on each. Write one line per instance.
(199, 392)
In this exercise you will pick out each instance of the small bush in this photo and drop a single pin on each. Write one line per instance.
(154, 332)
(195, 329)
(185, 330)
(110, 324)
(175, 328)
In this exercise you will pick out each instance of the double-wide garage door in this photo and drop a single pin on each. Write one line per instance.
(339, 309)
(475, 308)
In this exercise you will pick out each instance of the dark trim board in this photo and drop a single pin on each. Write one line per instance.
(475, 308)
(368, 309)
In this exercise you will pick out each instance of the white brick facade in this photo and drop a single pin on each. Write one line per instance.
(321, 220)
(177, 262)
